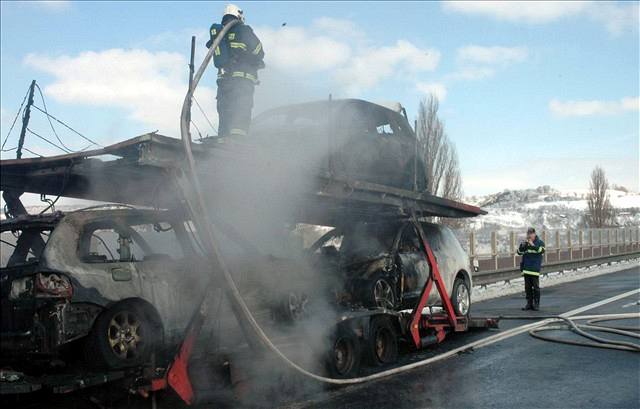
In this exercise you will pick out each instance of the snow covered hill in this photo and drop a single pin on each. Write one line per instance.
(548, 208)
(544, 208)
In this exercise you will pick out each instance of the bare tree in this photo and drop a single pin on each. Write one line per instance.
(442, 168)
(600, 209)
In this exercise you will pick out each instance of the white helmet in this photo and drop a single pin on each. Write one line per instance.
(233, 10)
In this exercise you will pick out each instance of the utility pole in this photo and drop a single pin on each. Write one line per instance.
(25, 119)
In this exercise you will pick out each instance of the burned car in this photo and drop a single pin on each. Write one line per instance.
(349, 138)
(120, 280)
(383, 264)
(115, 283)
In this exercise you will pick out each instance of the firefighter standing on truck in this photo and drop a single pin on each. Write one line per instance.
(531, 251)
(238, 59)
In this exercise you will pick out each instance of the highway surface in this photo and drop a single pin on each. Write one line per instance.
(517, 372)
(521, 371)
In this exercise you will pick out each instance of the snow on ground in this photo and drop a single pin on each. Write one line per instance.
(516, 286)
(578, 200)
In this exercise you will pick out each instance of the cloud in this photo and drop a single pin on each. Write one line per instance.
(299, 50)
(475, 62)
(594, 107)
(368, 68)
(494, 55)
(616, 17)
(341, 50)
(527, 11)
(149, 85)
(439, 90)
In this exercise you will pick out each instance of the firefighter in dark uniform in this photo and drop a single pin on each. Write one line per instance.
(238, 59)
(531, 251)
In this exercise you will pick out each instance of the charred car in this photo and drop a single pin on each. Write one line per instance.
(383, 265)
(114, 283)
(348, 138)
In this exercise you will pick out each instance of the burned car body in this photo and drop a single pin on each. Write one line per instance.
(383, 264)
(122, 278)
(349, 138)
(121, 283)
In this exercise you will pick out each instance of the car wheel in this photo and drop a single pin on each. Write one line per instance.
(379, 293)
(382, 342)
(293, 307)
(123, 336)
(344, 356)
(461, 297)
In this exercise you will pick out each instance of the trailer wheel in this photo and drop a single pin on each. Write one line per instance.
(123, 336)
(461, 297)
(382, 342)
(344, 355)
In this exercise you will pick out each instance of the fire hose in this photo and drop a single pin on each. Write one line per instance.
(247, 322)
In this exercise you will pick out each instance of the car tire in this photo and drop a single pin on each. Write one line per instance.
(123, 336)
(382, 342)
(461, 297)
(379, 292)
(345, 354)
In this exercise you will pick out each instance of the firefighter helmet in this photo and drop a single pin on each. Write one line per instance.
(233, 10)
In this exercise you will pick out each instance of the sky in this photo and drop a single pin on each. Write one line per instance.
(530, 93)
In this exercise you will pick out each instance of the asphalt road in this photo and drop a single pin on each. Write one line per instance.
(520, 371)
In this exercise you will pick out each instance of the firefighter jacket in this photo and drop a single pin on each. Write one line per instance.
(239, 54)
(531, 257)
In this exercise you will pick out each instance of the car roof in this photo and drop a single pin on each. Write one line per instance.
(338, 105)
(50, 220)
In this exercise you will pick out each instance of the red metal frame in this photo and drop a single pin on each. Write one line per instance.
(177, 375)
(438, 324)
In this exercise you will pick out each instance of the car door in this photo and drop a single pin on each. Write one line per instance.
(413, 265)
(172, 277)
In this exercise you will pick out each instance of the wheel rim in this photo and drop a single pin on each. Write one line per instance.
(462, 296)
(125, 335)
(343, 356)
(383, 294)
(296, 305)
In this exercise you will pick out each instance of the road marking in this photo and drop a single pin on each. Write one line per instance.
(631, 304)
(599, 303)
(524, 328)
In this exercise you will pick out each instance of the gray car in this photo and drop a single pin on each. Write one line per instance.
(383, 265)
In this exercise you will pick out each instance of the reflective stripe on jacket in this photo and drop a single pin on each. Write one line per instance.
(240, 53)
(532, 256)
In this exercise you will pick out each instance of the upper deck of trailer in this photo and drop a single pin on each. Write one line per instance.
(137, 171)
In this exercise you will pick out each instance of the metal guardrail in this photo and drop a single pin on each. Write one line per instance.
(593, 247)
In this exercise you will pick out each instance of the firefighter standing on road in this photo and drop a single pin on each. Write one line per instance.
(238, 59)
(531, 252)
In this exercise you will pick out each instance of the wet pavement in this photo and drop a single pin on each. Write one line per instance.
(520, 371)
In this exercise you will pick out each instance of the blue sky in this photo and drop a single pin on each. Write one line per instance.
(531, 94)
